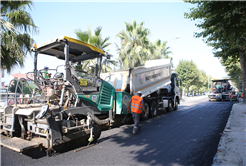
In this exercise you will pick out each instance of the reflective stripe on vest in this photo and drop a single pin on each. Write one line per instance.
(136, 104)
(230, 95)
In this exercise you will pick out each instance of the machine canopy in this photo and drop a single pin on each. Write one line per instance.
(221, 80)
(78, 50)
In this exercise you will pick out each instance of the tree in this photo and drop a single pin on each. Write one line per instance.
(208, 83)
(229, 59)
(193, 88)
(233, 69)
(223, 25)
(22, 87)
(107, 63)
(161, 50)
(202, 80)
(135, 46)
(93, 39)
(16, 24)
(188, 73)
(97, 41)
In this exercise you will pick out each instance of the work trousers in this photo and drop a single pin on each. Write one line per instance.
(136, 119)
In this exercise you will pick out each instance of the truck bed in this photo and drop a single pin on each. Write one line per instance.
(148, 79)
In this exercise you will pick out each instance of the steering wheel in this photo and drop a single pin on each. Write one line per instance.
(42, 112)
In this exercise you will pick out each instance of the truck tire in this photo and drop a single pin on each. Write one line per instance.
(170, 106)
(176, 105)
(153, 109)
(143, 116)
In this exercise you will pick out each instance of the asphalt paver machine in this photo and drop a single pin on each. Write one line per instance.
(61, 116)
(221, 89)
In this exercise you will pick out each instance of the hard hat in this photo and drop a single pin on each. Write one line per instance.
(45, 67)
(139, 92)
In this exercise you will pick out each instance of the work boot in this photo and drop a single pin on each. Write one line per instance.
(134, 133)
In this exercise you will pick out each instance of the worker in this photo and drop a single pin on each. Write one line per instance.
(227, 86)
(218, 89)
(230, 96)
(136, 103)
(239, 94)
(45, 73)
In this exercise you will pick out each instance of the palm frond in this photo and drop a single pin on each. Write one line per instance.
(16, 24)
(98, 31)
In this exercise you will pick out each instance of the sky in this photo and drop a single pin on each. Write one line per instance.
(164, 19)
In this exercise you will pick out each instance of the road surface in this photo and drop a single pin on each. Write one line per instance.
(189, 136)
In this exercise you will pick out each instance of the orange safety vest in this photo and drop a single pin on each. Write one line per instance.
(230, 95)
(136, 104)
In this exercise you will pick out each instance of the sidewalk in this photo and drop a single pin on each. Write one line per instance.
(232, 146)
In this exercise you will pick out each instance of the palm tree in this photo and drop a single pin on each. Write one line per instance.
(135, 46)
(107, 63)
(97, 41)
(16, 24)
(161, 50)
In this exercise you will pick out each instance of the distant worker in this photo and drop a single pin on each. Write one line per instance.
(136, 103)
(230, 96)
(239, 94)
(227, 86)
(45, 73)
(218, 88)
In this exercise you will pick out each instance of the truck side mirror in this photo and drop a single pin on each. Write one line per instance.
(180, 82)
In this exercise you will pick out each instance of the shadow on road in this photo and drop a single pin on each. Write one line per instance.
(176, 139)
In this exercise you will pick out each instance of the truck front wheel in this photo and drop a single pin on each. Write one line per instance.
(175, 105)
(153, 109)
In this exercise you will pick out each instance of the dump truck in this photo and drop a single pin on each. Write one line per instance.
(75, 104)
(159, 86)
(220, 90)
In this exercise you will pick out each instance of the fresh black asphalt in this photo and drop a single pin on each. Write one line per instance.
(189, 136)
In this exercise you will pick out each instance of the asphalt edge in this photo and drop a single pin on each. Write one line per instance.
(216, 161)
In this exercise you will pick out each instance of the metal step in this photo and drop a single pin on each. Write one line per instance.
(18, 144)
